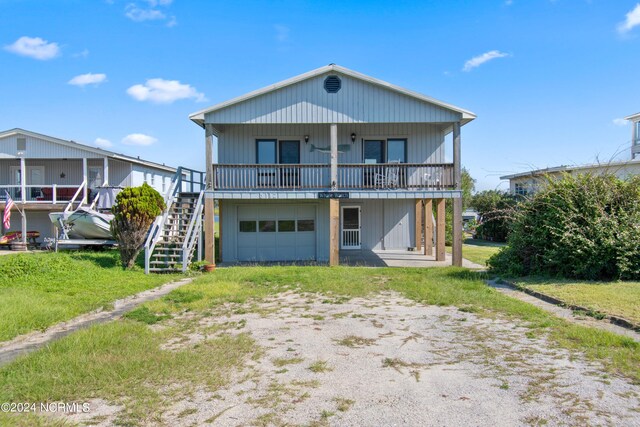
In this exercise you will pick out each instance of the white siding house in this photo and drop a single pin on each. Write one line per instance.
(331, 160)
(54, 169)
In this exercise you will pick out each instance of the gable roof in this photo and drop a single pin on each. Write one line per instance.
(77, 145)
(633, 117)
(199, 116)
(566, 168)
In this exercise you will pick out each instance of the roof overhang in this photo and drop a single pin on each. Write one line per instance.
(79, 146)
(199, 116)
(633, 117)
(559, 169)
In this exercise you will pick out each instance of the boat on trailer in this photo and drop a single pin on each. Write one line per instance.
(86, 225)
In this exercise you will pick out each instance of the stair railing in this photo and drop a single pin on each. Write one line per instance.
(75, 196)
(160, 221)
(193, 233)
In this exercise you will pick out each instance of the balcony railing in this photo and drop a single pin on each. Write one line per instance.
(385, 176)
(51, 194)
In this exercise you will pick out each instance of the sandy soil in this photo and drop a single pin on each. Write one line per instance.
(386, 361)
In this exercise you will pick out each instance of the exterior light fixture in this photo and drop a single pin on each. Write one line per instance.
(353, 137)
(306, 139)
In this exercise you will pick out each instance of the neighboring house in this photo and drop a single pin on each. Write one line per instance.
(55, 169)
(527, 183)
(635, 134)
(330, 160)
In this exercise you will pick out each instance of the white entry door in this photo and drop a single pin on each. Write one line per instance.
(350, 227)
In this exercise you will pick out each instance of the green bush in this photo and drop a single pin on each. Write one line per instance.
(495, 209)
(134, 211)
(581, 227)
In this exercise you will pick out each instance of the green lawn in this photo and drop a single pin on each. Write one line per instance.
(615, 298)
(478, 251)
(123, 361)
(38, 290)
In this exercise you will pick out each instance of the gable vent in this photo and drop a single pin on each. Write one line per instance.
(332, 84)
(21, 145)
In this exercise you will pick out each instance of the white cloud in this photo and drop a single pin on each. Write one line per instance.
(88, 79)
(164, 91)
(477, 61)
(34, 47)
(103, 143)
(139, 139)
(138, 14)
(282, 33)
(151, 11)
(82, 54)
(620, 122)
(632, 19)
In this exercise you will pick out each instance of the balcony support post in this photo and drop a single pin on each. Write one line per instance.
(23, 180)
(85, 174)
(334, 156)
(456, 249)
(105, 172)
(209, 215)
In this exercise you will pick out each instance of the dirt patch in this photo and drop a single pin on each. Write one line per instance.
(385, 360)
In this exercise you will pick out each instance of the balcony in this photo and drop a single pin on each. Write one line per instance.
(299, 177)
(44, 194)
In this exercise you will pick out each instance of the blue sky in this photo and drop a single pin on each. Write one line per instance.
(127, 73)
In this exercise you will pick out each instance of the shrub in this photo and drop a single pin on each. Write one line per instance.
(581, 227)
(496, 210)
(134, 211)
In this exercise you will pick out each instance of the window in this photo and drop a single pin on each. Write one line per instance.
(267, 226)
(153, 178)
(95, 177)
(397, 150)
(266, 151)
(21, 145)
(248, 226)
(306, 225)
(637, 135)
(385, 151)
(286, 225)
(164, 184)
(521, 189)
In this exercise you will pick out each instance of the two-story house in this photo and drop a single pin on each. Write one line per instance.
(42, 174)
(328, 161)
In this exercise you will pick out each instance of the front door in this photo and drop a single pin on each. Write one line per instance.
(350, 227)
(289, 154)
(35, 177)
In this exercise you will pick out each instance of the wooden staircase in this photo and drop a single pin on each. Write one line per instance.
(175, 235)
(168, 255)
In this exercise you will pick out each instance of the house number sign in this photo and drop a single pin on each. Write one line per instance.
(333, 195)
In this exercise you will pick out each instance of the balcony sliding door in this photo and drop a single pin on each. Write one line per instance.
(266, 155)
(289, 154)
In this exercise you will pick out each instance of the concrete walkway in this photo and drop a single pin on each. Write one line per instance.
(27, 343)
(398, 258)
(564, 313)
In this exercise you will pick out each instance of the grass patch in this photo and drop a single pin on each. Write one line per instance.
(280, 362)
(121, 362)
(478, 251)
(342, 404)
(144, 315)
(354, 341)
(319, 367)
(613, 298)
(59, 286)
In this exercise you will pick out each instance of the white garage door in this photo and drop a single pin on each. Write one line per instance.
(276, 232)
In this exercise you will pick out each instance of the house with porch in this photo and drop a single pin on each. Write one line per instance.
(42, 174)
(327, 163)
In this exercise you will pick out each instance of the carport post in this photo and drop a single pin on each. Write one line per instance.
(418, 232)
(428, 227)
(334, 232)
(440, 230)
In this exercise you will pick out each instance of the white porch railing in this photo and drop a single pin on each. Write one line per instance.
(41, 194)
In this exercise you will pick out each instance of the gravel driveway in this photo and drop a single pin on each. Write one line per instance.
(385, 360)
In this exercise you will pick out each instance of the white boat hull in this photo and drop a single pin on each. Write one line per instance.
(84, 223)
